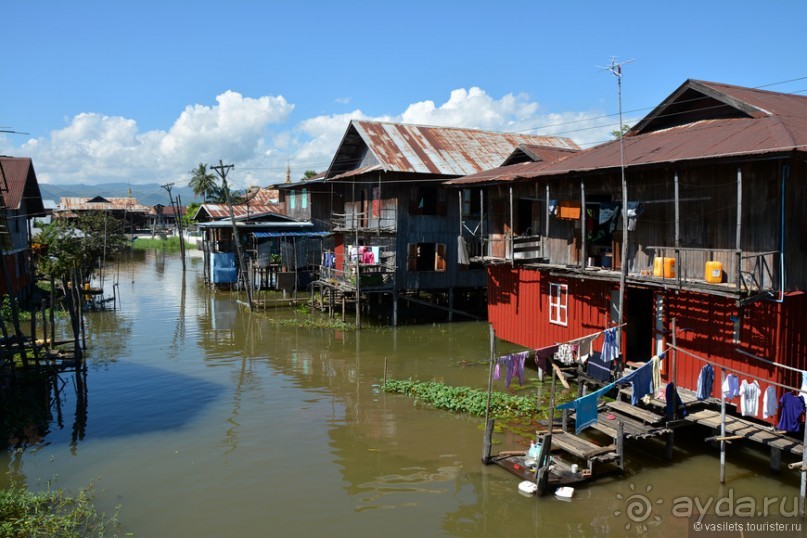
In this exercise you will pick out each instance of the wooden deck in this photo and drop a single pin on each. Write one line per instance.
(746, 429)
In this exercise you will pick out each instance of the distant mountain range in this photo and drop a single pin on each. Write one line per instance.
(148, 194)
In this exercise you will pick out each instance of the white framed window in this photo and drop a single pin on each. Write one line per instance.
(558, 303)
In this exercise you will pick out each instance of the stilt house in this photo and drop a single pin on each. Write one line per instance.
(397, 219)
(20, 202)
(716, 238)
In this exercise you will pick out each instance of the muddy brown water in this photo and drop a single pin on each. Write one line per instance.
(205, 420)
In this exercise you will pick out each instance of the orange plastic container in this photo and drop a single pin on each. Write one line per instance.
(714, 272)
(664, 267)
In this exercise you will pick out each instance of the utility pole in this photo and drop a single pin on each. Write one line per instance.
(616, 70)
(222, 170)
(168, 187)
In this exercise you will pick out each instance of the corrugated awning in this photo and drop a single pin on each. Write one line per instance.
(265, 235)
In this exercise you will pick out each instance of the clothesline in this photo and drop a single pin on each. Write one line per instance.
(738, 350)
(572, 341)
(734, 370)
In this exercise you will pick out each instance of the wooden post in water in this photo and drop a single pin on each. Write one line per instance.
(803, 487)
(52, 311)
(488, 421)
(47, 344)
(620, 444)
(722, 427)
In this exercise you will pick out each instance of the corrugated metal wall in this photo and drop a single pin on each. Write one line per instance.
(518, 306)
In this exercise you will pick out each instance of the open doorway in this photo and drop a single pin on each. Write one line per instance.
(639, 315)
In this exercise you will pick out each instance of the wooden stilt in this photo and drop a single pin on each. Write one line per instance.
(620, 444)
(669, 442)
(722, 428)
(776, 459)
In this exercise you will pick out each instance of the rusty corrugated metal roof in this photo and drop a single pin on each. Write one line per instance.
(22, 184)
(221, 211)
(100, 203)
(420, 149)
(746, 122)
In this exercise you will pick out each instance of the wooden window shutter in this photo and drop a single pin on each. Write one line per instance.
(440, 257)
(412, 258)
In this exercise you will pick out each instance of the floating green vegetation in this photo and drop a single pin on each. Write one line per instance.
(170, 244)
(53, 513)
(313, 323)
(468, 400)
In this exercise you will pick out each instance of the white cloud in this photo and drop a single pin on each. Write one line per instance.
(254, 134)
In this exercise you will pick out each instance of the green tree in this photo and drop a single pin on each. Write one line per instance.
(203, 182)
(79, 244)
(616, 134)
(309, 174)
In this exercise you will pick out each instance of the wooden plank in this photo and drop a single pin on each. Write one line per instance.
(634, 411)
(560, 375)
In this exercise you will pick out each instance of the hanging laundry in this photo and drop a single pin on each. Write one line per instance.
(769, 402)
(610, 347)
(584, 348)
(565, 354)
(634, 210)
(656, 360)
(497, 370)
(514, 367)
(792, 408)
(749, 398)
(706, 380)
(731, 386)
(586, 408)
(674, 403)
(543, 357)
(520, 358)
(462, 252)
(609, 213)
(641, 381)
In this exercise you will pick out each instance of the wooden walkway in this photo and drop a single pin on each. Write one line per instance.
(741, 428)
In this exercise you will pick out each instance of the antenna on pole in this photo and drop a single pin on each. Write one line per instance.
(615, 68)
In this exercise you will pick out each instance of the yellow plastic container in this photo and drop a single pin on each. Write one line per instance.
(664, 267)
(714, 272)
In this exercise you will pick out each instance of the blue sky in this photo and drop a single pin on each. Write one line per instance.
(143, 91)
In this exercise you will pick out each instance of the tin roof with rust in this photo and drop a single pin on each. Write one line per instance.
(22, 185)
(101, 203)
(419, 149)
(701, 121)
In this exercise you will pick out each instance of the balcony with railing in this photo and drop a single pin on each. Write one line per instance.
(507, 248)
(729, 272)
(752, 275)
(383, 219)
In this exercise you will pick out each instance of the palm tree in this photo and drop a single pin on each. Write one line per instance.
(202, 181)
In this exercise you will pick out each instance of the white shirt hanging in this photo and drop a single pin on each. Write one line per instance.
(749, 398)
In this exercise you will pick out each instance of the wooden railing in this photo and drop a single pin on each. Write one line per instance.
(515, 248)
(747, 272)
(373, 276)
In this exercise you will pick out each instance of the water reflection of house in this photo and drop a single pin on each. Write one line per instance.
(389, 198)
(716, 237)
(20, 202)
